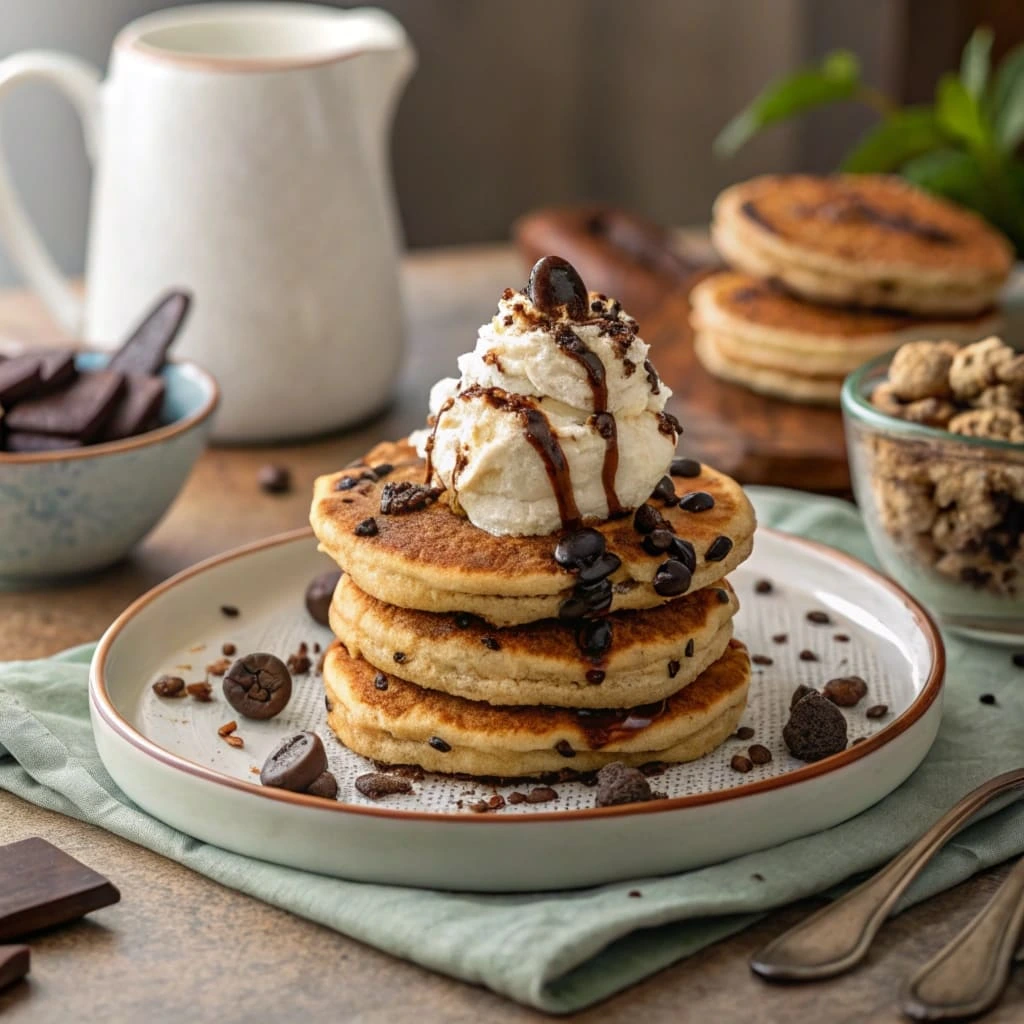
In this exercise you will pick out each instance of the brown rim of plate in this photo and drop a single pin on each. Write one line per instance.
(99, 699)
(156, 436)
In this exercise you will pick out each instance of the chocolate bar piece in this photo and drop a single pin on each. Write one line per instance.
(26, 441)
(19, 377)
(145, 351)
(14, 964)
(43, 887)
(139, 406)
(79, 411)
(56, 370)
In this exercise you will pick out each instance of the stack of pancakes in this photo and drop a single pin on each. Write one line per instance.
(830, 272)
(452, 655)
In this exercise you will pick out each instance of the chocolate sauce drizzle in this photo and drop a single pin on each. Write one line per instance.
(448, 403)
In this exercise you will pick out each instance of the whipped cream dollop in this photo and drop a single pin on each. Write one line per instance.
(558, 415)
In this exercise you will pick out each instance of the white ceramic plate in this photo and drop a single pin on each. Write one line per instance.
(166, 754)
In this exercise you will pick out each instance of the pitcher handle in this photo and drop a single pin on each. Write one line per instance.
(79, 82)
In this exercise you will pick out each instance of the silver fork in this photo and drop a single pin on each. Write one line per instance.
(837, 937)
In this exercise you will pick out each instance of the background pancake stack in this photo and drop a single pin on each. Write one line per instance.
(834, 271)
(453, 655)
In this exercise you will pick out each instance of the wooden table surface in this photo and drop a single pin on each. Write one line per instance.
(179, 947)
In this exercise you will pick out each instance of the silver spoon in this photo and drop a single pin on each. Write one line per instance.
(838, 936)
(968, 976)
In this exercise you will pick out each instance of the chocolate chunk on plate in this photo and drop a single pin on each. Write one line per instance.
(145, 351)
(19, 378)
(78, 411)
(27, 441)
(56, 369)
(138, 407)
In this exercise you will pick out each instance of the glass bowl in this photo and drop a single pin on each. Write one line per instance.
(944, 512)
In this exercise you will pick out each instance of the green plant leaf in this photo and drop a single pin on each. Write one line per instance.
(897, 138)
(959, 113)
(836, 78)
(1006, 103)
(953, 173)
(976, 61)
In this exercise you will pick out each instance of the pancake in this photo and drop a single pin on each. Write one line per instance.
(539, 663)
(866, 240)
(436, 560)
(397, 725)
(779, 331)
(731, 366)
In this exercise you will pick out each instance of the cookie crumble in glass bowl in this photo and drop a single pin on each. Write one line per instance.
(944, 511)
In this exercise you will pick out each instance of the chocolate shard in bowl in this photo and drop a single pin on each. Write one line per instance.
(145, 351)
(79, 411)
(56, 369)
(19, 378)
(138, 407)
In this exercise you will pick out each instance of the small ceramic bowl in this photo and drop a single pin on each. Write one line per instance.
(68, 512)
(944, 512)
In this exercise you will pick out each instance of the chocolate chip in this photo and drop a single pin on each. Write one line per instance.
(697, 501)
(757, 876)
(229, 611)
(647, 519)
(799, 693)
(846, 691)
(555, 284)
(324, 785)
(744, 732)
(346, 483)
(764, 587)
(594, 637)
(672, 578)
(515, 797)
(274, 479)
(541, 795)
(808, 656)
(762, 659)
(688, 651)
(881, 710)
(295, 763)
(382, 469)
(634, 894)
(228, 649)
(685, 467)
(440, 745)
(759, 754)
(380, 681)
(366, 528)
(491, 643)
(376, 785)
(464, 620)
(665, 491)
(657, 541)
(202, 692)
(718, 549)
(169, 686)
(816, 729)
(595, 677)
(596, 598)
(319, 594)
(682, 551)
(258, 685)
(673, 668)
(618, 783)
(1018, 660)
(819, 618)
(841, 638)
(780, 638)
(579, 548)
(399, 657)
(564, 747)
(600, 568)
(739, 763)
(722, 595)
(404, 497)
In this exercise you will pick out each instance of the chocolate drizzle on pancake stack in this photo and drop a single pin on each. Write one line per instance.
(535, 588)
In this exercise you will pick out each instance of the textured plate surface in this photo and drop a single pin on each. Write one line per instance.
(153, 745)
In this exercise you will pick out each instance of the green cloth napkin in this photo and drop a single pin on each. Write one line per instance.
(563, 951)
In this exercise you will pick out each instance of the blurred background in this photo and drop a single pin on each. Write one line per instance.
(545, 101)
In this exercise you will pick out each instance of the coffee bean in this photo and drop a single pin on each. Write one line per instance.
(657, 541)
(376, 785)
(491, 643)
(564, 747)
(295, 763)
(672, 579)
(697, 501)
(595, 677)
(229, 611)
(808, 656)
(761, 659)
(515, 797)
(689, 648)
(1018, 660)
(764, 587)
(718, 549)
(744, 732)
(346, 483)
(648, 519)
(881, 710)
(841, 638)
(685, 467)
(673, 669)
(258, 685)
(169, 686)
(600, 568)
(819, 618)
(319, 594)
(759, 754)
(324, 785)
(846, 691)
(780, 638)
(202, 692)
(665, 491)
(228, 649)
(594, 637)
(579, 548)
(555, 284)
(682, 551)
(274, 479)
(541, 795)
(739, 763)
(367, 528)
(380, 681)
(440, 745)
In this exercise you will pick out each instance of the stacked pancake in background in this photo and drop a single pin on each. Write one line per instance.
(830, 272)
(526, 587)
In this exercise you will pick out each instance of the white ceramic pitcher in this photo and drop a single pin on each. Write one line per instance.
(241, 151)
